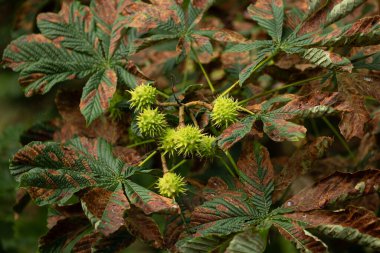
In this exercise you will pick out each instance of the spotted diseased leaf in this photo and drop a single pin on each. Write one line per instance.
(303, 240)
(56, 172)
(69, 47)
(325, 192)
(144, 227)
(236, 132)
(300, 163)
(364, 32)
(327, 59)
(250, 69)
(354, 224)
(256, 173)
(203, 244)
(270, 16)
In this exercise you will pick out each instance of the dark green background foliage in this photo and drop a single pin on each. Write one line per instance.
(297, 172)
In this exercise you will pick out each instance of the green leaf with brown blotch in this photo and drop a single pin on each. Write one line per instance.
(353, 224)
(204, 244)
(295, 233)
(58, 171)
(327, 59)
(236, 132)
(326, 192)
(71, 47)
(256, 173)
(300, 163)
(269, 14)
(364, 32)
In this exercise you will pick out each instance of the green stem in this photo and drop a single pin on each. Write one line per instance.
(178, 165)
(232, 161)
(280, 88)
(229, 89)
(140, 143)
(227, 166)
(245, 110)
(340, 138)
(203, 70)
(162, 94)
(148, 158)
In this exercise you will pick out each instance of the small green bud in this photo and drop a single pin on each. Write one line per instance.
(224, 112)
(207, 147)
(168, 141)
(151, 123)
(171, 185)
(189, 140)
(143, 96)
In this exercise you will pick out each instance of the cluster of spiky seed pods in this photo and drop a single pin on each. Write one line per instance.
(184, 140)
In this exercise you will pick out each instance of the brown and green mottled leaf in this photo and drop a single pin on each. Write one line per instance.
(144, 227)
(205, 244)
(236, 132)
(70, 48)
(303, 240)
(326, 192)
(354, 224)
(58, 171)
(300, 163)
(269, 14)
(256, 173)
(246, 242)
(327, 59)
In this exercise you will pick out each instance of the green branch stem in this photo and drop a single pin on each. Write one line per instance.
(162, 94)
(265, 93)
(141, 143)
(227, 166)
(177, 165)
(203, 70)
(148, 158)
(339, 136)
(232, 161)
(230, 88)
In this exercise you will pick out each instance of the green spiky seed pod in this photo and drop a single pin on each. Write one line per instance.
(143, 96)
(224, 112)
(171, 185)
(207, 147)
(189, 140)
(151, 123)
(168, 142)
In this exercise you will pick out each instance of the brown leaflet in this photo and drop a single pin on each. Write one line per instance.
(63, 212)
(144, 227)
(304, 242)
(263, 8)
(199, 43)
(156, 204)
(361, 219)
(326, 192)
(173, 232)
(225, 35)
(129, 156)
(109, 207)
(67, 102)
(114, 242)
(25, 15)
(107, 88)
(300, 163)
(84, 245)
(64, 232)
(251, 161)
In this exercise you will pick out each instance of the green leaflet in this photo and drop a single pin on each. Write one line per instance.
(54, 172)
(72, 45)
(341, 10)
(203, 244)
(327, 59)
(303, 240)
(246, 242)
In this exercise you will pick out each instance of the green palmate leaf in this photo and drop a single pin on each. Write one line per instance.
(236, 132)
(303, 240)
(246, 242)
(364, 32)
(327, 59)
(73, 44)
(270, 16)
(55, 172)
(249, 46)
(256, 173)
(321, 194)
(341, 9)
(354, 224)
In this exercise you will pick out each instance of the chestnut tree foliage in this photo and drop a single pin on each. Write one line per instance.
(251, 120)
